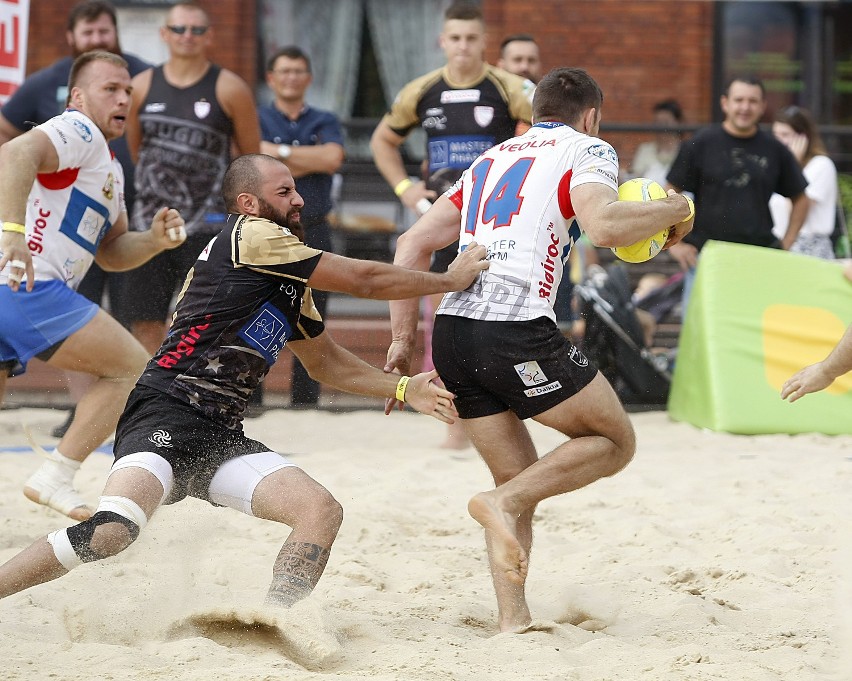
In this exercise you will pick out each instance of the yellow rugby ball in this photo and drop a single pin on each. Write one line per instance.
(642, 189)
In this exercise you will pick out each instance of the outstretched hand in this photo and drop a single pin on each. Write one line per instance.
(430, 399)
(811, 379)
(167, 228)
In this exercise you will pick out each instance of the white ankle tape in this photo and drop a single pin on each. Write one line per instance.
(60, 458)
(63, 550)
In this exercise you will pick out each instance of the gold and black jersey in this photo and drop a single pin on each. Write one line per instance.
(244, 299)
(461, 120)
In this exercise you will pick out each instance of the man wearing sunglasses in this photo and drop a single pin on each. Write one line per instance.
(186, 116)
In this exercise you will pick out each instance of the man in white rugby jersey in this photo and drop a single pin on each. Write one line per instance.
(496, 344)
(62, 207)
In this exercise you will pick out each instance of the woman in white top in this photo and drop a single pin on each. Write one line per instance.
(653, 159)
(796, 129)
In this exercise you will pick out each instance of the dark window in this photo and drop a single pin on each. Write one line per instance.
(762, 39)
(369, 96)
(803, 53)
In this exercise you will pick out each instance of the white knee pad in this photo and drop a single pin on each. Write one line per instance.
(74, 550)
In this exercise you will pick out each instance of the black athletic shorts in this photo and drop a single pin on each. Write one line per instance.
(194, 445)
(527, 367)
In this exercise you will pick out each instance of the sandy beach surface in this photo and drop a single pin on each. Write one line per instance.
(711, 556)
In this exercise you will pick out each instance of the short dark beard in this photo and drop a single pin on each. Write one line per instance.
(268, 212)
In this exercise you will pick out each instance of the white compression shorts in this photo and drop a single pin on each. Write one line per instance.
(232, 485)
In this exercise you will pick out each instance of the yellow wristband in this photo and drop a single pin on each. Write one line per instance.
(402, 187)
(400, 388)
(14, 227)
(691, 209)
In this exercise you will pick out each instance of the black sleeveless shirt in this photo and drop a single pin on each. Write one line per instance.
(184, 152)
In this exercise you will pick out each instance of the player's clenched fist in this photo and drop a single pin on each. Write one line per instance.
(168, 228)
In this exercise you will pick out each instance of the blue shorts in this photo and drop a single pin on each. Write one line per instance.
(33, 323)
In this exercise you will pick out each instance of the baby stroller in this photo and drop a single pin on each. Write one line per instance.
(614, 339)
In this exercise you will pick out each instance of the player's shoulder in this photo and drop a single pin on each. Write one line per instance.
(250, 224)
(263, 242)
(76, 138)
(422, 83)
(74, 120)
(255, 230)
(516, 90)
(403, 112)
(597, 147)
(509, 81)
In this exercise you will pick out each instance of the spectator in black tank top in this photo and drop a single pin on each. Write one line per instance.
(186, 117)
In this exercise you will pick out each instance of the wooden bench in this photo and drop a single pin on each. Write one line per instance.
(368, 216)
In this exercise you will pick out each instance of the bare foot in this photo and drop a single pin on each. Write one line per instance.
(509, 555)
(519, 624)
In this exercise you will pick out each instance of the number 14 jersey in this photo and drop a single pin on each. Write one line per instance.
(516, 201)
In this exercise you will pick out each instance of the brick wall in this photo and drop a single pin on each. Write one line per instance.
(639, 52)
(234, 22)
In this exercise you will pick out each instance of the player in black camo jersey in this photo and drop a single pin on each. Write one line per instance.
(181, 434)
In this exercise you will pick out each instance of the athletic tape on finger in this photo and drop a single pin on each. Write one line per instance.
(177, 233)
(18, 263)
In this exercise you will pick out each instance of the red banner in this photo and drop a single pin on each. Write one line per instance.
(14, 25)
